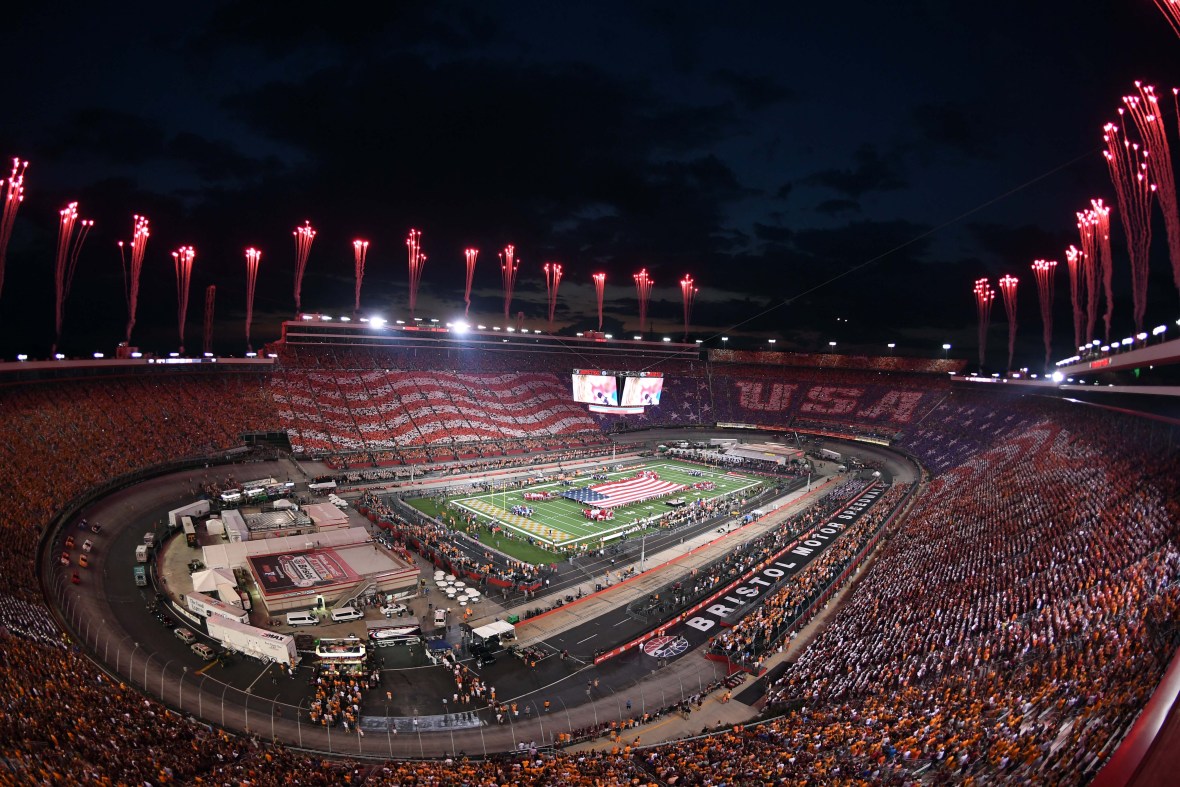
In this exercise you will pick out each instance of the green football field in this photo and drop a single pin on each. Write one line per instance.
(559, 524)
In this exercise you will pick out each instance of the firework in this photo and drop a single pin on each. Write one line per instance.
(599, 290)
(303, 238)
(1101, 216)
(985, 296)
(71, 234)
(1008, 288)
(14, 195)
(1088, 235)
(139, 237)
(1145, 111)
(470, 255)
(688, 294)
(253, 257)
(210, 297)
(416, 259)
(1043, 270)
(183, 260)
(552, 282)
(508, 267)
(1075, 260)
(643, 285)
(360, 248)
(1171, 9)
(1127, 162)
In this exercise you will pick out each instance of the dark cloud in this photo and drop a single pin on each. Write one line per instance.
(784, 191)
(754, 92)
(836, 207)
(870, 172)
(951, 126)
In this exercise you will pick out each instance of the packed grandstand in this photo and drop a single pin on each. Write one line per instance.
(1010, 629)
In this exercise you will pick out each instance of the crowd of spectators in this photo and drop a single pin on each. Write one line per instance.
(783, 609)
(1009, 630)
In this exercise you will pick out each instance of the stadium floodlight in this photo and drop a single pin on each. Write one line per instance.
(272, 355)
(700, 341)
(495, 327)
(667, 339)
(1069, 379)
(98, 355)
(772, 341)
(22, 357)
(1058, 377)
(173, 355)
(724, 338)
(251, 355)
(417, 319)
(59, 356)
(377, 322)
(208, 355)
(1157, 330)
(305, 316)
(831, 344)
(345, 319)
(1141, 336)
(946, 347)
(482, 327)
(325, 318)
(891, 345)
(636, 338)
(401, 322)
(610, 336)
(434, 319)
(1128, 342)
(510, 329)
(460, 327)
(137, 354)
(1105, 348)
(579, 333)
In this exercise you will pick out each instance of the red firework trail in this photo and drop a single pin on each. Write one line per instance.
(71, 234)
(1075, 261)
(1101, 216)
(1087, 233)
(1043, 270)
(1127, 162)
(183, 260)
(1171, 9)
(552, 282)
(14, 195)
(985, 296)
(416, 260)
(688, 295)
(360, 248)
(599, 290)
(253, 257)
(1145, 110)
(210, 298)
(508, 267)
(139, 237)
(303, 238)
(1008, 288)
(643, 285)
(470, 255)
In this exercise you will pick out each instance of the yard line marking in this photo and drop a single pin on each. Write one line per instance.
(592, 636)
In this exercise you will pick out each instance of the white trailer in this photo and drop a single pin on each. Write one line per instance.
(197, 509)
(208, 607)
(833, 456)
(253, 641)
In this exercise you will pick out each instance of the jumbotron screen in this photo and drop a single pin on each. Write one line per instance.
(602, 388)
(594, 387)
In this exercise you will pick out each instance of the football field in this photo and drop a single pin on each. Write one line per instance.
(560, 523)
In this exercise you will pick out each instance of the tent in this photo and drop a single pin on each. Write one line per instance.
(207, 581)
(496, 628)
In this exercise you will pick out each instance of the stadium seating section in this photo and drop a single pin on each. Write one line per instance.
(1009, 630)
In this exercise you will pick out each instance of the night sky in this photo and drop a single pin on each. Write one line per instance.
(907, 148)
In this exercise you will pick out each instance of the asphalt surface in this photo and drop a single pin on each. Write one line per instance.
(109, 614)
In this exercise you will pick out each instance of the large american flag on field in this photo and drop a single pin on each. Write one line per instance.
(632, 490)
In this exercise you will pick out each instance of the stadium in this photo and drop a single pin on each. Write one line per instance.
(1033, 527)
(785, 519)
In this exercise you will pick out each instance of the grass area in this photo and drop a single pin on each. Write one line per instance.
(560, 522)
(516, 547)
